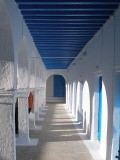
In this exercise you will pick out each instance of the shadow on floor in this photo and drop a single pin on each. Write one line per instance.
(58, 139)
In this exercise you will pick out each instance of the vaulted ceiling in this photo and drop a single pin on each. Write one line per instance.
(61, 28)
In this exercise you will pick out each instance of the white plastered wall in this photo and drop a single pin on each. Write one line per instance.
(13, 61)
(7, 94)
(102, 58)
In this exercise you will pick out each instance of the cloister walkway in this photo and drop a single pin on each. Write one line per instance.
(58, 139)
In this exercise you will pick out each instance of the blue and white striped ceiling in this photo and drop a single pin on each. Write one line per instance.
(61, 28)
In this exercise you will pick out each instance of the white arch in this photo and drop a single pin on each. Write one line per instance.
(70, 99)
(104, 123)
(50, 90)
(79, 102)
(67, 95)
(74, 98)
(23, 68)
(55, 72)
(116, 116)
(86, 108)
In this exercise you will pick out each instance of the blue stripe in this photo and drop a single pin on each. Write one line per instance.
(100, 109)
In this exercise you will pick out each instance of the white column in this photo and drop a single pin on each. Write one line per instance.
(34, 114)
(23, 118)
(41, 101)
(7, 126)
(37, 106)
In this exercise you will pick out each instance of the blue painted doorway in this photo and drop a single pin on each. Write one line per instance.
(59, 86)
(100, 108)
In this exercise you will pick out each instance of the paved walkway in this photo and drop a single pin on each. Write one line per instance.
(58, 139)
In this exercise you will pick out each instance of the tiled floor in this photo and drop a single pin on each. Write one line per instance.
(58, 139)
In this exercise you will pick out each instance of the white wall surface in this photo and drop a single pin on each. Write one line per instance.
(50, 87)
(6, 49)
(103, 58)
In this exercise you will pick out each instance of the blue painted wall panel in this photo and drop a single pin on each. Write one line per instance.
(59, 86)
(100, 109)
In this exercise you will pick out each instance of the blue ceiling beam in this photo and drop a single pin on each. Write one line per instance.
(59, 45)
(60, 41)
(62, 35)
(66, 58)
(80, 16)
(49, 31)
(65, 15)
(67, 23)
(34, 32)
(61, 49)
(64, 2)
(67, 9)
(66, 28)
(63, 29)
(65, 19)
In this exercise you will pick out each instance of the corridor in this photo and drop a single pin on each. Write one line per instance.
(58, 139)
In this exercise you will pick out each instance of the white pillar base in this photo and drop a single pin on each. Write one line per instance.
(31, 142)
(23, 119)
(32, 124)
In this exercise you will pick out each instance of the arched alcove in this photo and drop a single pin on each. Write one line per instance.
(67, 95)
(104, 121)
(6, 50)
(70, 98)
(97, 109)
(30, 101)
(55, 88)
(86, 108)
(74, 98)
(16, 117)
(116, 117)
(23, 68)
(79, 114)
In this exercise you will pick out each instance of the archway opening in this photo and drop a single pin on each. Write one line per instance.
(86, 108)
(16, 117)
(30, 102)
(74, 99)
(79, 113)
(97, 109)
(116, 117)
(55, 89)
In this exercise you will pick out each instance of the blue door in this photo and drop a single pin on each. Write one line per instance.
(59, 86)
(100, 108)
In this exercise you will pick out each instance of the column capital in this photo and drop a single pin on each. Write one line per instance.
(6, 96)
(32, 90)
(23, 93)
(7, 92)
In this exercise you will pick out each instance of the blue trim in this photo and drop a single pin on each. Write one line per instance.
(100, 109)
